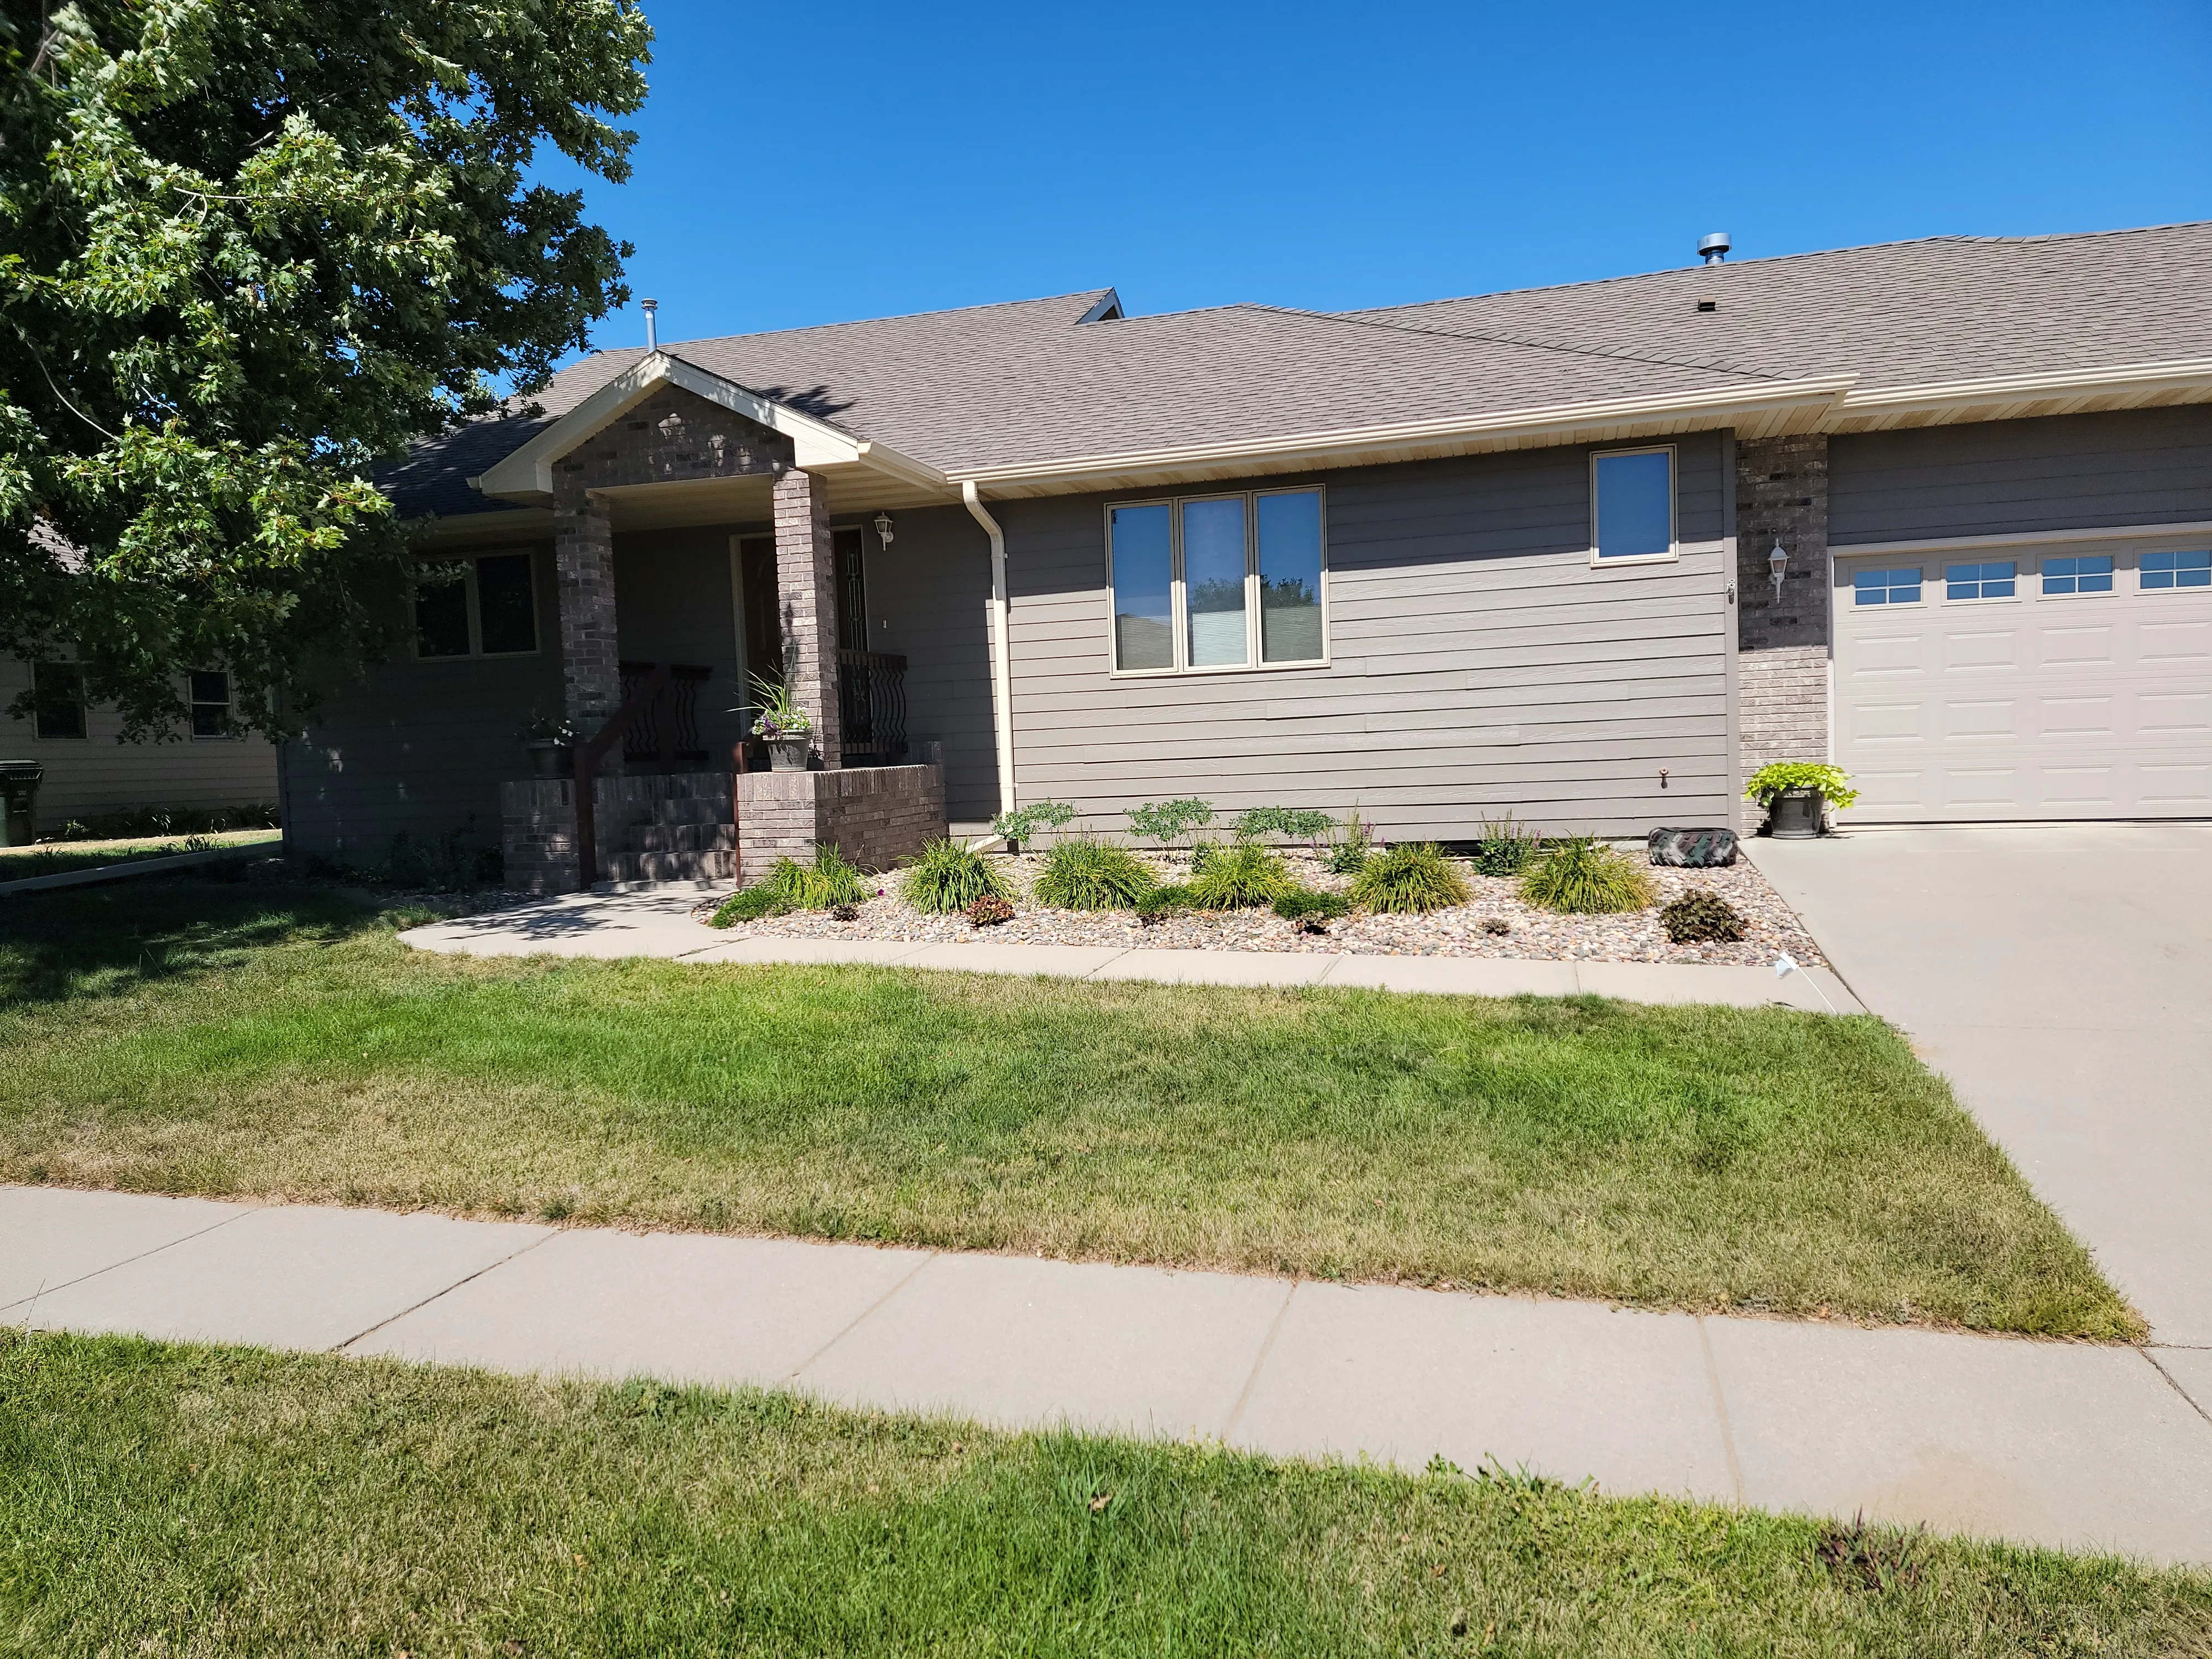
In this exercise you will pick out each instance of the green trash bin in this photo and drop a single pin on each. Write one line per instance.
(19, 799)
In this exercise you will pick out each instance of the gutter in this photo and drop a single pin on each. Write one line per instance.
(1002, 657)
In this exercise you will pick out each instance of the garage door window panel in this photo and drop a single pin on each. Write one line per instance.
(1993, 578)
(2175, 570)
(2090, 572)
(1886, 588)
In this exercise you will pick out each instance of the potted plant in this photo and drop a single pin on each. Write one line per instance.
(1796, 795)
(780, 720)
(548, 739)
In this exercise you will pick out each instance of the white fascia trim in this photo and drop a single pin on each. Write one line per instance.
(2176, 374)
(1822, 393)
(815, 444)
(2124, 532)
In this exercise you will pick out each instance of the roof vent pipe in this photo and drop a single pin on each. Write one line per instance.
(652, 309)
(1714, 249)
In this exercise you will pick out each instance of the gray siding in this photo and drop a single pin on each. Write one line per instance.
(928, 598)
(97, 773)
(1479, 665)
(1999, 477)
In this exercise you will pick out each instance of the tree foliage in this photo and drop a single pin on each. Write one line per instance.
(246, 248)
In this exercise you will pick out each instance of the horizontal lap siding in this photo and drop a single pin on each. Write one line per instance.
(2003, 477)
(1478, 664)
(928, 599)
(98, 772)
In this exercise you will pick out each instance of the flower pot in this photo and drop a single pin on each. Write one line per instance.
(549, 758)
(790, 754)
(1795, 815)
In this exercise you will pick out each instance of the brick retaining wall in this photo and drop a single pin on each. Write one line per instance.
(874, 814)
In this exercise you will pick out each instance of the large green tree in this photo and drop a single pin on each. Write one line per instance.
(246, 248)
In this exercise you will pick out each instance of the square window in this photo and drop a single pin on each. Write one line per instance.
(2090, 572)
(1290, 576)
(1886, 588)
(1632, 504)
(1993, 580)
(2176, 570)
(58, 690)
(1143, 587)
(210, 701)
(506, 604)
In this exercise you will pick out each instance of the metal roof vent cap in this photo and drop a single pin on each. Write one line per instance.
(1713, 249)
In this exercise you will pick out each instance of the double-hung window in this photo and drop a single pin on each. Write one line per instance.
(1631, 505)
(58, 694)
(483, 606)
(1212, 582)
(211, 701)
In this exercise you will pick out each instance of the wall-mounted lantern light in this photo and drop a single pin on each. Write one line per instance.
(884, 528)
(1778, 566)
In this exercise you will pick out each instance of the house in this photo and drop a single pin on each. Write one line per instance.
(89, 774)
(1938, 510)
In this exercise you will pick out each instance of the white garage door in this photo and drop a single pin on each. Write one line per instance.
(2054, 680)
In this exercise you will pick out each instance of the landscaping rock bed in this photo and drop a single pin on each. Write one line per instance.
(1770, 926)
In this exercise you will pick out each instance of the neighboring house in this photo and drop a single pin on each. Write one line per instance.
(90, 773)
(1436, 563)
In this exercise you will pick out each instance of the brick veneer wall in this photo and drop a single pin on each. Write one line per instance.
(874, 814)
(659, 827)
(806, 591)
(1782, 648)
(584, 588)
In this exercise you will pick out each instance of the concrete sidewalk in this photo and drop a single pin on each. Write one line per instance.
(2058, 1443)
(661, 925)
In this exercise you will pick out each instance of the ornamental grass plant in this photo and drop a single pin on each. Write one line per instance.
(1408, 879)
(789, 886)
(1083, 874)
(946, 878)
(1237, 877)
(1582, 876)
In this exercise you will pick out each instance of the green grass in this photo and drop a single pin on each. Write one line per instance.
(57, 858)
(187, 1037)
(178, 1500)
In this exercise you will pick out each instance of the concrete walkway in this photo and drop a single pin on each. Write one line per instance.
(661, 925)
(2061, 977)
(2065, 1444)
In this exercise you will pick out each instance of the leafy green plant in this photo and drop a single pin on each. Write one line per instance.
(1018, 827)
(1237, 877)
(1307, 905)
(1170, 821)
(1700, 916)
(778, 712)
(751, 904)
(1263, 821)
(989, 911)
(1083, 874)
(447, 865)
(1503, 847)
(1409, 879)
(828, 883)
(945, 876)
(1582, 876)
(1831, 782)
(1165, 901)
(1348, 842)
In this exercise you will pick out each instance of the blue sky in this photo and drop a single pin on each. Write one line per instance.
(811, 164)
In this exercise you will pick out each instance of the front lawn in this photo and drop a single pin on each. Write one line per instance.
(58, 857)
(174, 1500)
(189, 1037)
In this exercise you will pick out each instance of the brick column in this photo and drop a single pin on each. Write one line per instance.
(584, 580)
(806, 593)
(1782, 661)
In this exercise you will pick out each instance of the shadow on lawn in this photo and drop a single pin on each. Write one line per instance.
(111, 940)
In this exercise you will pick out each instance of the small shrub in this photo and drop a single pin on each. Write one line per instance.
(1504, 847)
(1314, 911)
(1021, 826)
(1261, 821)
(989, 911)
(750, 905)
(1700, 915)
(821, 885)
(1496, 927)
(1584, 877)
(946, 878)
(1408, 879)
(1346, 844)
(1170, 821)
(444, 865)
(845, 912)
(1162, 902)
(1093, 875)
(1238, 876)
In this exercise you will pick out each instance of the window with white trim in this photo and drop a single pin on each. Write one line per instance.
(1631, 505)
(2174, 570)
(1886, 586)
(1991, 579)
(2085, 573)
(483, 606)
(1205, 583)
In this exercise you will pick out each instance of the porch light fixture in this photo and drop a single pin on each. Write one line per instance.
(884, 528)
(1778, 566)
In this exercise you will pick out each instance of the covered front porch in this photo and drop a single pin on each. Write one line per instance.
(732, 540)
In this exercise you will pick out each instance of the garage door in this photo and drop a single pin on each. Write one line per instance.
(2054, 681)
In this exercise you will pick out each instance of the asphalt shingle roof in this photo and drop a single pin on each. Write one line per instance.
(1009, 385)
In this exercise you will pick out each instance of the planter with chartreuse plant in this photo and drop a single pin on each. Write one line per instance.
(781, 724)
(1797, 795)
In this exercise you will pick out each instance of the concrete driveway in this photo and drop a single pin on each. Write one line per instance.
(2060, 976)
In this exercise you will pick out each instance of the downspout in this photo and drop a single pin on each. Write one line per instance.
(1002, 656)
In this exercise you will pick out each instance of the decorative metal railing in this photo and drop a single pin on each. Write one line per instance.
(871, 707)
(665, 730)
